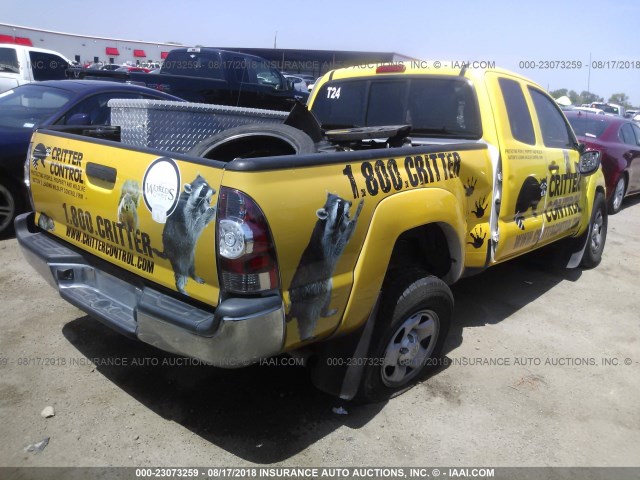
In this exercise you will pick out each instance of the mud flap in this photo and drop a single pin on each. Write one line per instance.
(578, 253)
(340, 363)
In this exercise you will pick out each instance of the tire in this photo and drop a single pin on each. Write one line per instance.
(615, 202)
(10, 206)
(411, 327)
(250, 141)
(596, 234)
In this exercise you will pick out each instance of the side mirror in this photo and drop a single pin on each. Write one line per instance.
(589, 162)
(79, 119)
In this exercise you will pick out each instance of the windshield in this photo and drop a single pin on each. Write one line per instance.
(28, 105)
(588, 125)
(436, 107)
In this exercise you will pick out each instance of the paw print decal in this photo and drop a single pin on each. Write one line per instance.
(481, 207)
(478, 237)
(470, 186)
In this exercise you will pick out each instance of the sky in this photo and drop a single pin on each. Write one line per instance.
(541, 33)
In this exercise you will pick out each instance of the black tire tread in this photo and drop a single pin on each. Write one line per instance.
(589, 259)
(297, 139)
(397, 290)
(19, 205)
(610, 208)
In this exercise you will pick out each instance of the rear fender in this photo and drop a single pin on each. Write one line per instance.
(393, 216)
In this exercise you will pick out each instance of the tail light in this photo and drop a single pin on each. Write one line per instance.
(246, 252)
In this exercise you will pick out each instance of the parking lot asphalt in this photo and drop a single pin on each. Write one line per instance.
(543, 370)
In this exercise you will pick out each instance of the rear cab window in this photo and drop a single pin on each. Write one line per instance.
(433, 106)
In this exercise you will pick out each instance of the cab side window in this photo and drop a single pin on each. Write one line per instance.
(239, 67)
(627, 135)
(517, 111)
(9, 60)
(636, 130)
(266, 75)
(46, 66)
(555, 132)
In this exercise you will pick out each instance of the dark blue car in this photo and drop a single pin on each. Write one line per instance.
(56, 102)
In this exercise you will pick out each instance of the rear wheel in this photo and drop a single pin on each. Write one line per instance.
(615, 202)
(596, 234)
(410, 330)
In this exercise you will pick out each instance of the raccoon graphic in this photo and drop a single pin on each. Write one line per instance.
(128, 204)
(311, 286)
(183, 228)
(530, 194)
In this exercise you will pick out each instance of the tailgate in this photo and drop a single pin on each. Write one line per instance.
(149, 214)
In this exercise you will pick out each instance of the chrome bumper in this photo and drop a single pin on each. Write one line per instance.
(240, 331)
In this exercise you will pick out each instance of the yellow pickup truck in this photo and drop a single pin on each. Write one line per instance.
(335, 237)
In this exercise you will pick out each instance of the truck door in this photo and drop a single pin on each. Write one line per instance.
(522, 172)
(564, 199)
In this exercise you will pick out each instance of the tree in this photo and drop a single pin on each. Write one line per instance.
(561, 92)
(588, 97)
(620, 99)
(574, 97)
(577, 99)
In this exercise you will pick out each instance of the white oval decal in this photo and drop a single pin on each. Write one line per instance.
(161, 188)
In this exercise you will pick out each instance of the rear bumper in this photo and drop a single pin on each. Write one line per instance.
(239, 332)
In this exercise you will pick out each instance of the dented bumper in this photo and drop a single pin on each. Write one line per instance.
(239, 332)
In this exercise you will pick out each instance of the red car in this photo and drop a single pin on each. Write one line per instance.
(131, 68)
(618, 141)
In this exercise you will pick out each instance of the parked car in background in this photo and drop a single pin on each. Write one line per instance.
(132, 68)
(210, 75)
(20, 64)
(611, 108)
(597, 111)
(57, 102)
(94, 66)
(618, 141)
(110, 66)
(310, 79)
(298, 83)
(630, 113)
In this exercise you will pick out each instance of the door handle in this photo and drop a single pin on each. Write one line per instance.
(102, 172)
(553, 167)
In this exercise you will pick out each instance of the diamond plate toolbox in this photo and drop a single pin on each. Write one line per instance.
(179, 126)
